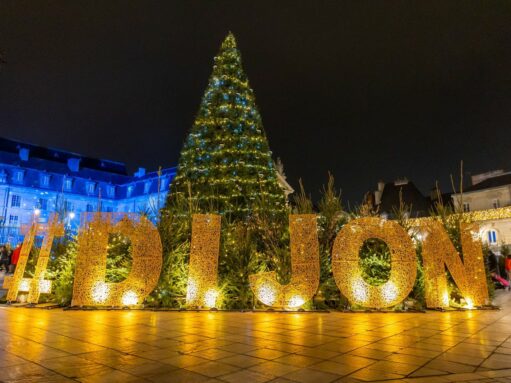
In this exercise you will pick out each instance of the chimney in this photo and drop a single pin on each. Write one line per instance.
(24, 154)
(140, 173)
(378, 193)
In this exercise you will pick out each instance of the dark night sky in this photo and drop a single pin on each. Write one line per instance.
(367, 89)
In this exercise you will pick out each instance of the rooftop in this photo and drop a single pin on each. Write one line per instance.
(394, 192)
(491, 182)
(34, 154)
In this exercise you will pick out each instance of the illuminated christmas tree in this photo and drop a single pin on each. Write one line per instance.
(226, 164)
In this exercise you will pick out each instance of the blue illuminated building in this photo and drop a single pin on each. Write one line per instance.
(36, 181)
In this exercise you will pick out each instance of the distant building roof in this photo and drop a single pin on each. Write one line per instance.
(35, 161)
(489, 183)
(18, 153)
(410, 195)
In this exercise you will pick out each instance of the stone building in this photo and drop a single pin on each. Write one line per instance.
(490, 190)
(36, 181)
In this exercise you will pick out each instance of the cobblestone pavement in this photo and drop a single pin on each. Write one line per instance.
(137, 346)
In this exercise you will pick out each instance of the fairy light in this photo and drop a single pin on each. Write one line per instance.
(203, 266)
(439, 253)
(191, 290)
(44, 286)
(296, 301)
(266, 294)
(36, 285)
(90, 288)
(226, 157)
(100, 292)
(129, 298)
(210, 297)
(347, 271)
(304, 268)
(389, 292)
(24, 285)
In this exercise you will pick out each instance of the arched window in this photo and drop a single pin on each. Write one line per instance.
(492, 237)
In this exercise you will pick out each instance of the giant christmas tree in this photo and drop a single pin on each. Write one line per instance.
(226, 164)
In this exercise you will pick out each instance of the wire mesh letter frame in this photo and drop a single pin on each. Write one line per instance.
(90, 288)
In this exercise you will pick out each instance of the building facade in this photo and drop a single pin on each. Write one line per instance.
(36, 181)
(490, 190)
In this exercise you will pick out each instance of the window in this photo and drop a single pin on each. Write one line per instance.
(163, 184)
(13, 220)
(69, 206)
(129, 191)
(3, 176)
(109, 209)
(147, 187)
(89, 208)
(43, 204)
(466, 207)
(15, 200)
(18, 176)
(45, 180)
(492, 237)
(110, 191)
(90, 187)
(496, 203)
(68, 184)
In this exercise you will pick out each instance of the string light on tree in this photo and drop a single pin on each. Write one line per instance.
(226, 161)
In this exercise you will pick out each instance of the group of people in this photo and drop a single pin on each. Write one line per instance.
(9, 258)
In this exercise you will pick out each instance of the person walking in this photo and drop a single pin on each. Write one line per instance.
(4, 258)
(507, 266)
(15, 256)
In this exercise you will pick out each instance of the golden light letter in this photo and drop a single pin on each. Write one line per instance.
(469, 274)
(36, 285)
(203, 268)
(347, 272)
(304, 265)
(90, 288)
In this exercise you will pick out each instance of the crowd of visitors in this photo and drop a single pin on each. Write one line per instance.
(9, 258)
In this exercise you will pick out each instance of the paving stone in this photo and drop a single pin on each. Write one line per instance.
(145, 346)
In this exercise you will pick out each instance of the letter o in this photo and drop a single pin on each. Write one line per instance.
(346, 268)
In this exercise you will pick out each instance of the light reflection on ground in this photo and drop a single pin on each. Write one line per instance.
(131, 346)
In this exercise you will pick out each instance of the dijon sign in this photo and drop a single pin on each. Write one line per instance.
(90, 288)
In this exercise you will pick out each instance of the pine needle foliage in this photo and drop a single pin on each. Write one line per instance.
(226, 158)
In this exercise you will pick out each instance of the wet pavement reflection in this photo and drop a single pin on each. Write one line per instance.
(39, 345)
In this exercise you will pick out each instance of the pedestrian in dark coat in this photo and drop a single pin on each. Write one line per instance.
(4, 258)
